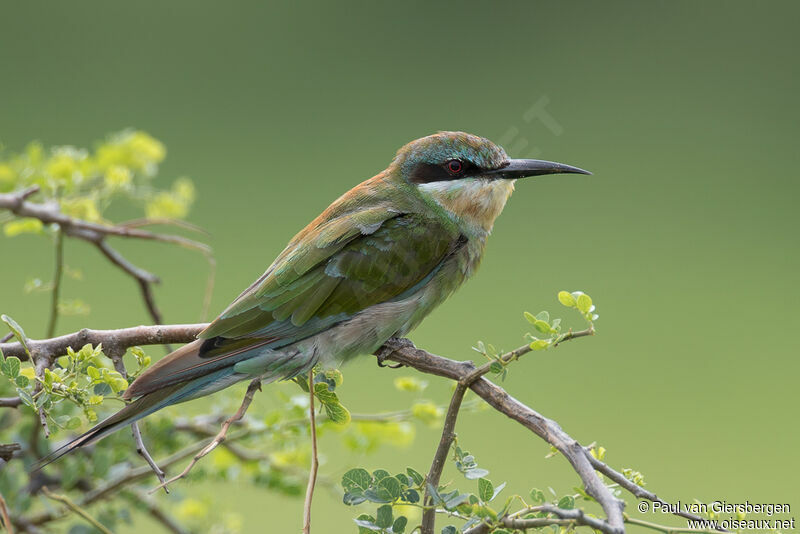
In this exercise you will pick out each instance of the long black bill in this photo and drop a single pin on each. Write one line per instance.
(521, 168)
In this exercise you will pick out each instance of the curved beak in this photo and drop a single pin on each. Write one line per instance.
(521, 168)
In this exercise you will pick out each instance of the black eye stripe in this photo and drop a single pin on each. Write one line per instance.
(424, 173)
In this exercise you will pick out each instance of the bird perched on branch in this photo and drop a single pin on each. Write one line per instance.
(371, 266)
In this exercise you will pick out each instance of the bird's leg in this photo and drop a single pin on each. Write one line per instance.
(392, 344)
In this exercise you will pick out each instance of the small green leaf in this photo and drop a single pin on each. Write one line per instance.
(541, 326)
(475, 472)
(337, 413)
(529, 317)
(455, 501)
(19, 333)
(399, 525)
(411, 496)
(566, 298)
(356, 479)
(449, 529)
(415, 476)
(567, 502)
(537, 495)
(496, 367)
(22, 381)
(93, 373)
(11, 367)
(539, 344)
(388, 488)
(584, 302)
(26, 398)
(485, 489)
(383, 518)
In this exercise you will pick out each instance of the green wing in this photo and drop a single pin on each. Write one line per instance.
(336, 270)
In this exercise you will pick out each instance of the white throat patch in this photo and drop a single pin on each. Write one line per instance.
(474, 200)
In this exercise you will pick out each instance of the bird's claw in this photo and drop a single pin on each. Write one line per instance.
(388, 348)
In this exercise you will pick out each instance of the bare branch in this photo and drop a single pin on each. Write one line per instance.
(10, 402)
(57, 275)
(50, 213)
(77, 509)
(561, 517)
(122, 338)
(7, 450)
(255, 385)
(437, 465)
(312, 474)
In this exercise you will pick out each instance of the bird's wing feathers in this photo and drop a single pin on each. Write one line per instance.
(344, 267)
(336, 270)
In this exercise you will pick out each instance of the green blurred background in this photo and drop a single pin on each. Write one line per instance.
(686, 235)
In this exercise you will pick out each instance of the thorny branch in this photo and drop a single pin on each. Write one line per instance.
(401, 351)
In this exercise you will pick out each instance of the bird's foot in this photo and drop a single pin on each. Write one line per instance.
(391, 345)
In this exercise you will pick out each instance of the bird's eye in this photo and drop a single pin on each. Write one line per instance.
(454, 166)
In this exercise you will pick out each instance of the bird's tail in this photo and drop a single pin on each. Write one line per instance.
(131, 413)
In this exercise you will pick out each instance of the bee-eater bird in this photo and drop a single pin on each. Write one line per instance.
(373, 265)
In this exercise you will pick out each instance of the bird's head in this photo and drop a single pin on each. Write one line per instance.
(467, 175)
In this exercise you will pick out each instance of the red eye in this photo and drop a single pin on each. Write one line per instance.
(455, 166)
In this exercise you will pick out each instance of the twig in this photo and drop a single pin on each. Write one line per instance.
(4, 515)
(312, 474)
(142, 451)
(77, 509)
(255, 385)
(138, 223)
(562, 517)
(57, 275)
(638, 491)
(6, 337)
(116, 354)
(10, 402)
(668, 530)
(437, 465)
